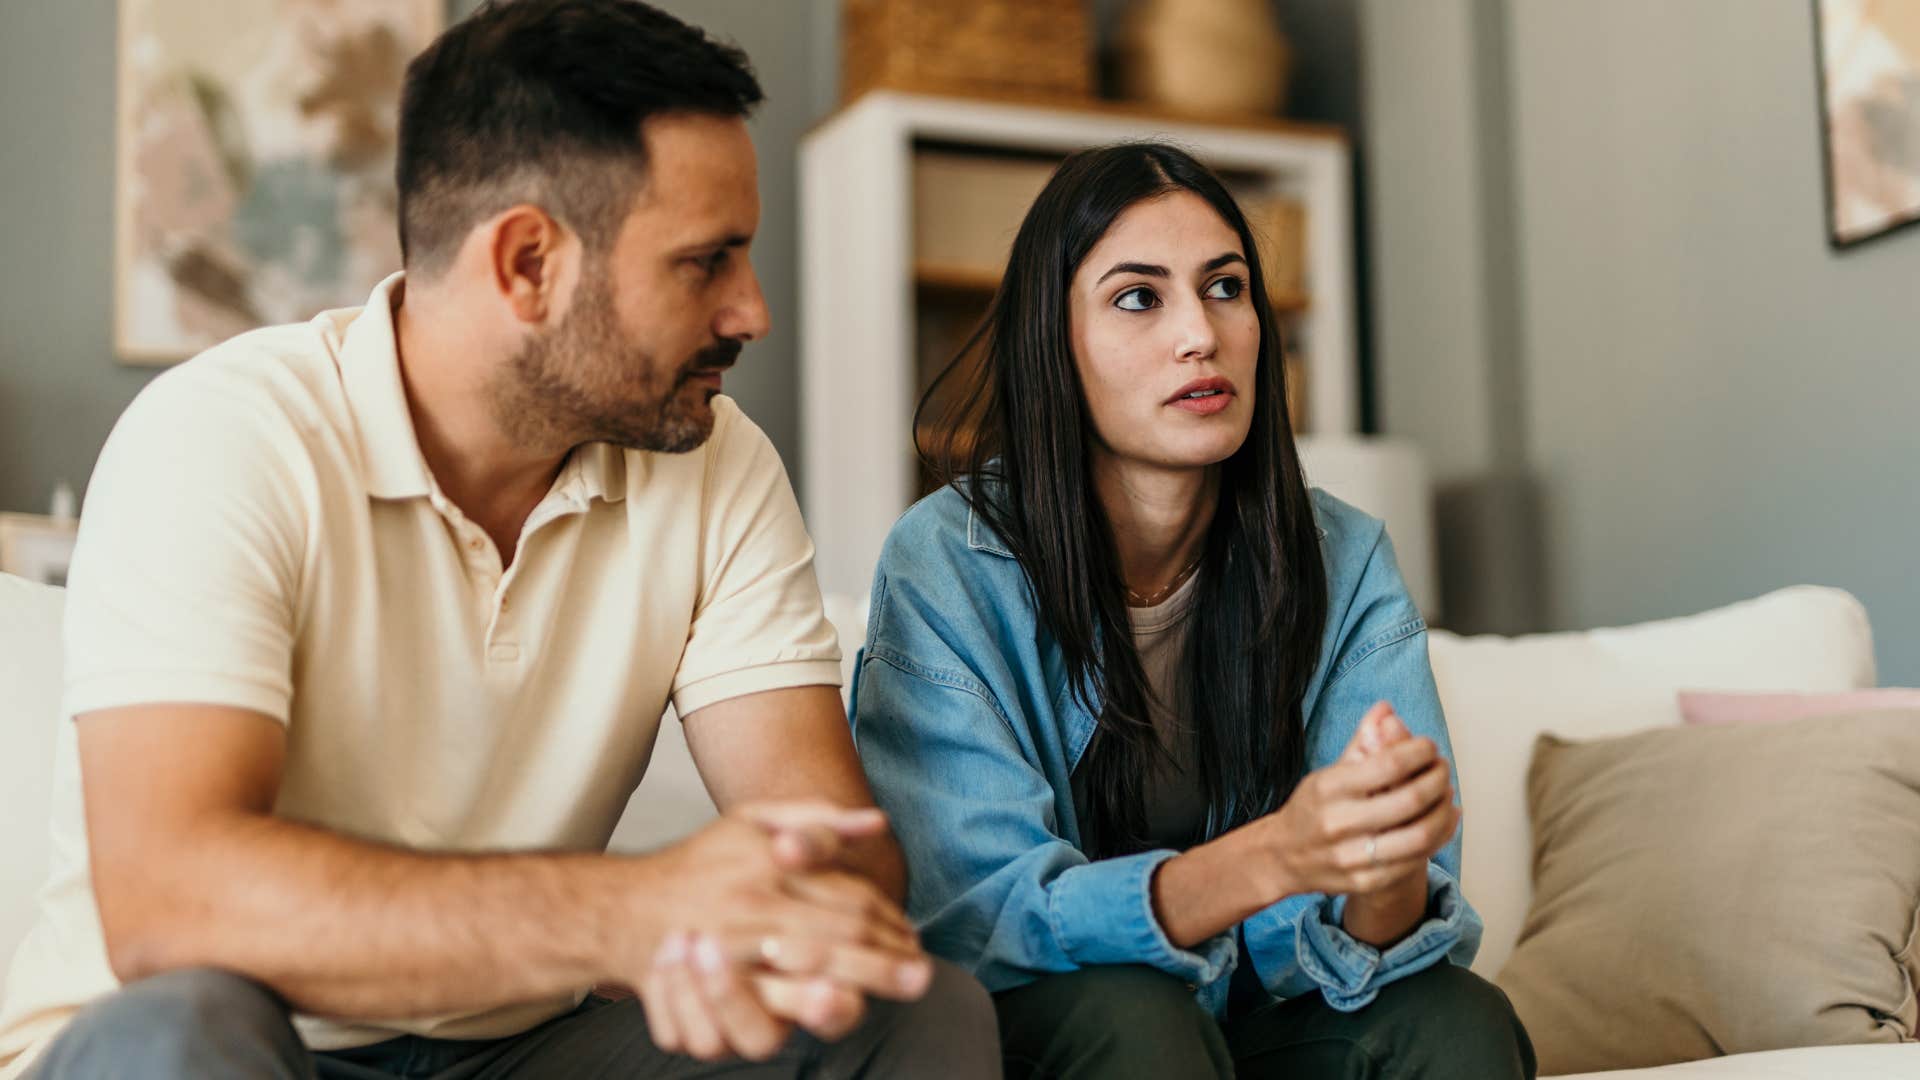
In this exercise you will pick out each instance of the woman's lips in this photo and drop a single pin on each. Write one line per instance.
(1203, 406)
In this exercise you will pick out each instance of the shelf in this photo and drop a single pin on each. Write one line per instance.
(1131, 111)
(974, 281)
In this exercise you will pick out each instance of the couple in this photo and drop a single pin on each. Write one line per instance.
(372, 620)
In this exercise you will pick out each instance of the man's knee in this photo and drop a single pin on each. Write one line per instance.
(194, 1023)
(1110, 1021)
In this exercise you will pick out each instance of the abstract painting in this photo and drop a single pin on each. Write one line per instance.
(256, 148)
(1869, 62)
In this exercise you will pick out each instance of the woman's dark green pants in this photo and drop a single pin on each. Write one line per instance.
(1112, 1023)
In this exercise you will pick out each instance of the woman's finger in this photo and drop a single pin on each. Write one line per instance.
(1399, 805)
(1376, 878)
(1416, 840)
(1365, 738)
(1384, 769)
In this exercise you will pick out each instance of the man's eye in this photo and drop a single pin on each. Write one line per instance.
(1226, 288)
(1138, 298)
(712, 264)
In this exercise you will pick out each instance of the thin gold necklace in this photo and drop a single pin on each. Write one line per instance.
(1134, 599)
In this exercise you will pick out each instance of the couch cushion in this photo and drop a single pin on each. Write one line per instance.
(1500, 693)
(1708, 890)
(1814, 1063)
(29, 719)
(1718, 707)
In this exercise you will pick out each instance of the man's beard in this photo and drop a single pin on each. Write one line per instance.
(585, 381)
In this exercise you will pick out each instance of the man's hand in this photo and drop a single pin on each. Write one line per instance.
(767, 933)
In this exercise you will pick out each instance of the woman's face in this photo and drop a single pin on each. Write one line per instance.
(1165, 336)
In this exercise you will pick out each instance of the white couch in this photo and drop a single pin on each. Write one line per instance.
(1499, 694)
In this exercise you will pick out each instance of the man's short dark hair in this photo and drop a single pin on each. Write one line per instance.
(542, 101)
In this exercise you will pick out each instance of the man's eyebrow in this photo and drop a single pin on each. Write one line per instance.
(731, 240)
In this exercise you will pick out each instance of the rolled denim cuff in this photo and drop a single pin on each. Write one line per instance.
(1350, 972)
(1102, 913)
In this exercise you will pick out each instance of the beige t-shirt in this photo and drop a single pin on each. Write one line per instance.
(1176, 812)
(262, 532)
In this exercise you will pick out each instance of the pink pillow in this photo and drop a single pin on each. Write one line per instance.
(1712, 707)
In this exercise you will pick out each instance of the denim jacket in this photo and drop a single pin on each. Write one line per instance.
(969, 733)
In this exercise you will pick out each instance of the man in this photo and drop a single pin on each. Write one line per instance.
(372, 620)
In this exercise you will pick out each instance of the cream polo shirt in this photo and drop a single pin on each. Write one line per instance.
(262, 532)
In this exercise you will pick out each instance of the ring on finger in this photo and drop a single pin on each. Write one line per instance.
(1373, 852)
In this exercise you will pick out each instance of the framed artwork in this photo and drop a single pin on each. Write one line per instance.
(256, 148)
(37, 548)
(1869, 65)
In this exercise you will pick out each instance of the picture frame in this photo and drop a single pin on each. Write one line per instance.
(255, 149)
(1867, 59)
(37, 548)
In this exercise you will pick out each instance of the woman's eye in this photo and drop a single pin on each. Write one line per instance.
(1138, 298)
(1227, 288)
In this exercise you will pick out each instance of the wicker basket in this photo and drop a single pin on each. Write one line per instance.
(1028, 48)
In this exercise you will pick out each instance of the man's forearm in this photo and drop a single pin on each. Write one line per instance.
(342, 927)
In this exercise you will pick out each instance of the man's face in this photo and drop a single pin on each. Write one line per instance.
(655, 320)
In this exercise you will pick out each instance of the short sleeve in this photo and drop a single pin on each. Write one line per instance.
(185, 577)
(758, 623)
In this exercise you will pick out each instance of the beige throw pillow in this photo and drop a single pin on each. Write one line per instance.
(1718, 890)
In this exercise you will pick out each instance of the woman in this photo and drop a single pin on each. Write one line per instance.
(1155, 725)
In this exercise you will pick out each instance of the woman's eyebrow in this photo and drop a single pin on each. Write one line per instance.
(1152, 270)
(1147, 269)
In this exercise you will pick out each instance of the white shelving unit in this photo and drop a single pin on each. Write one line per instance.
(859, 377)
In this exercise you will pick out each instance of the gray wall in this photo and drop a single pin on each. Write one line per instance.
(1709, 401)
(60, 388)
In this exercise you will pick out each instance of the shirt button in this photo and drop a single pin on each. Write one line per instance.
(474, 544)
(504, 653)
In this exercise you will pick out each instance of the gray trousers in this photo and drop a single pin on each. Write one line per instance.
(212, 1025)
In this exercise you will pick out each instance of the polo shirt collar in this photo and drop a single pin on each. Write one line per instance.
(595, 471)
(391, 464)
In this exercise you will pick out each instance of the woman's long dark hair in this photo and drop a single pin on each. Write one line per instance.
(1008, 420)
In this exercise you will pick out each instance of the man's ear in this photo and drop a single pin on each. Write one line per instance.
(526, 255)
